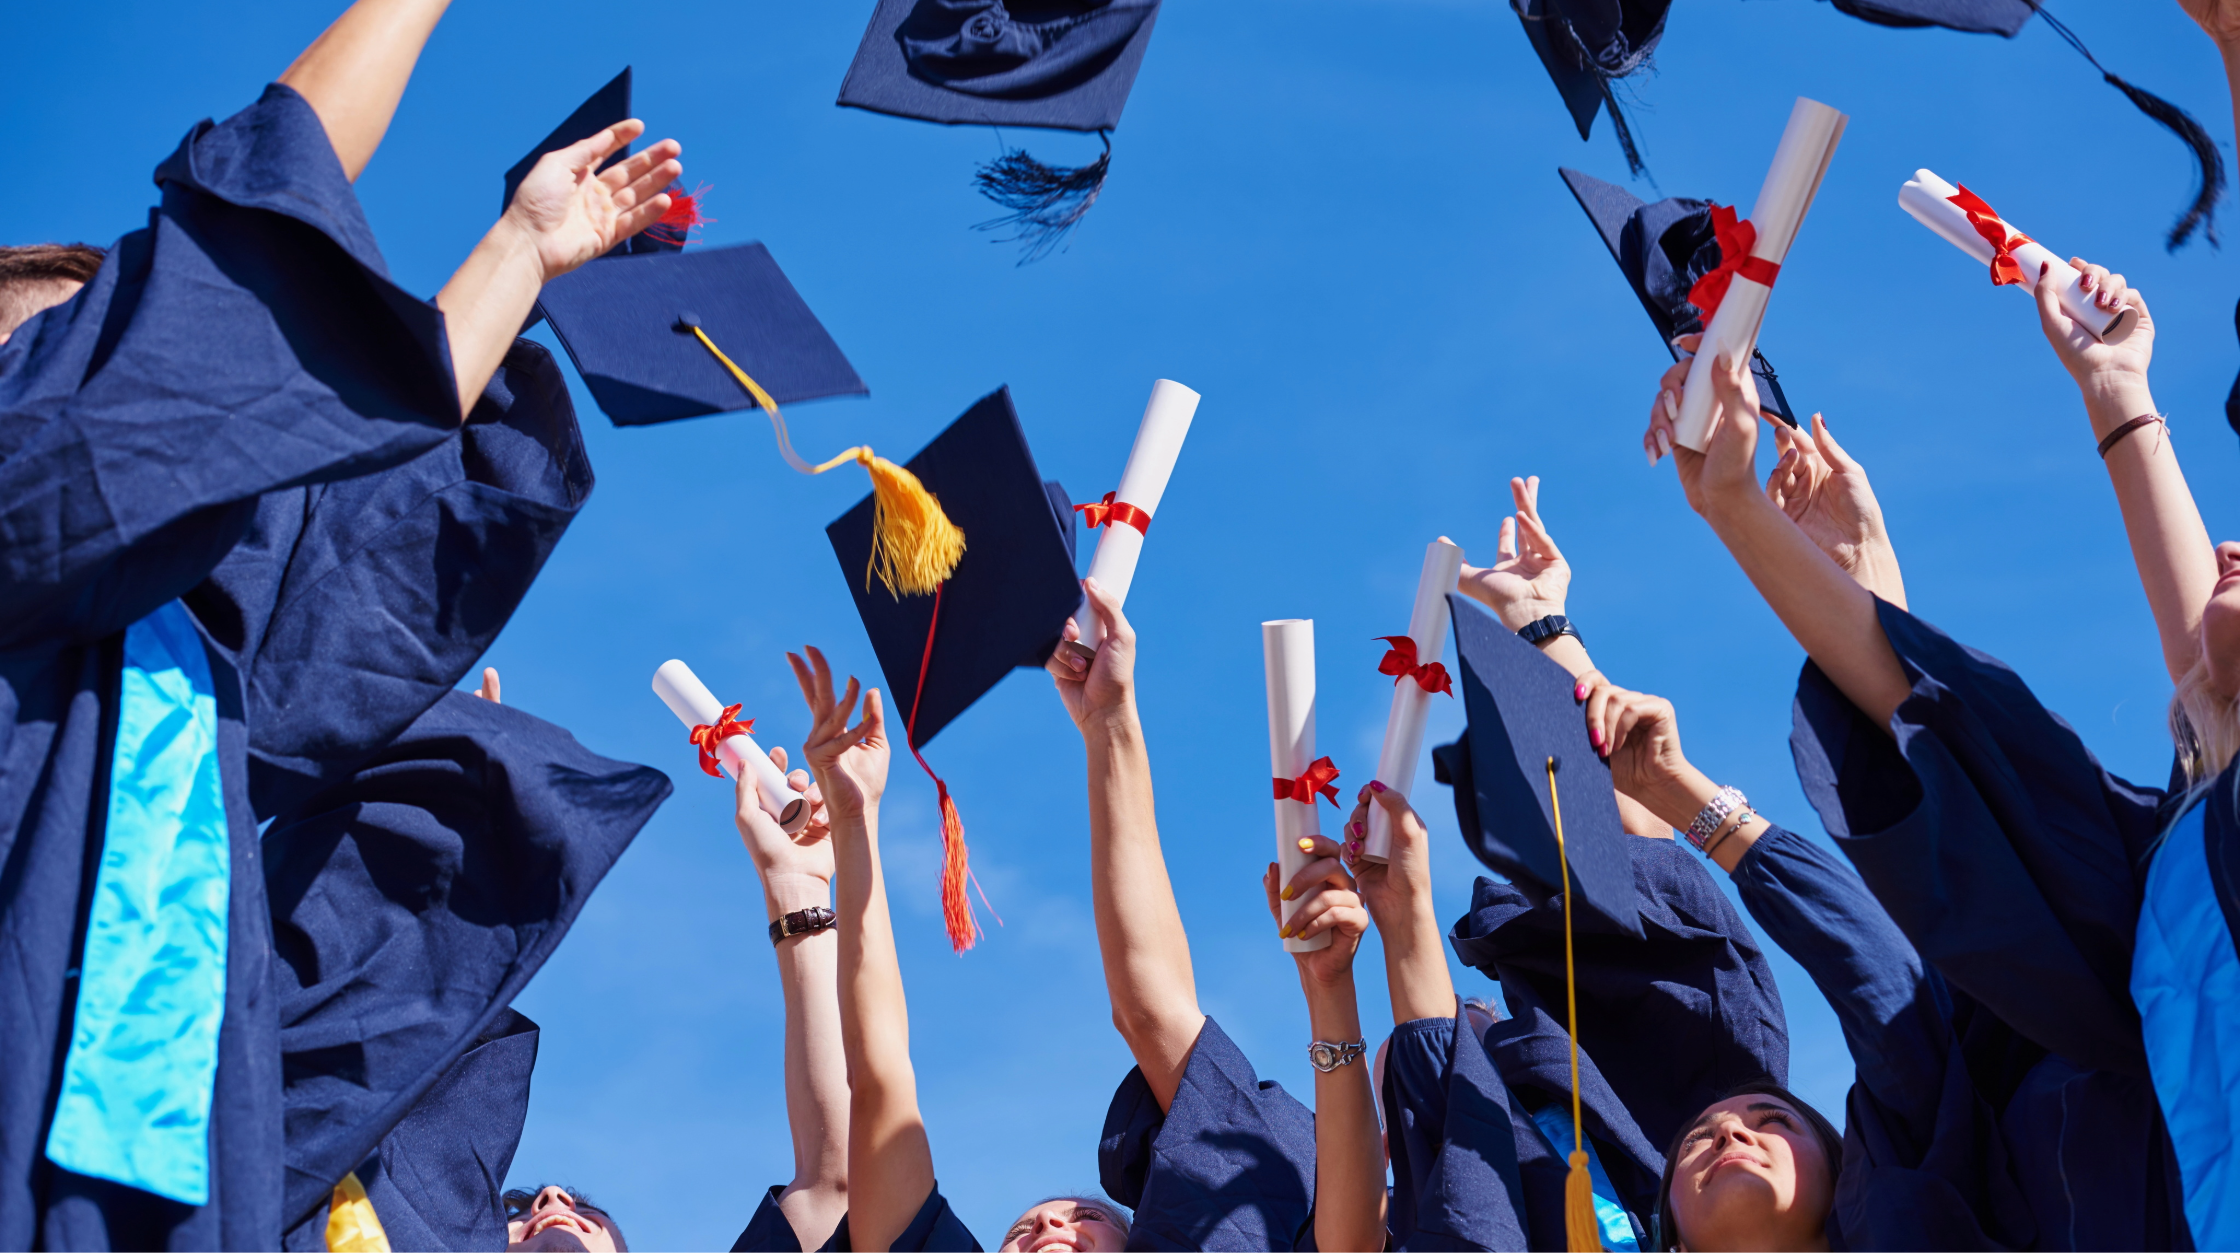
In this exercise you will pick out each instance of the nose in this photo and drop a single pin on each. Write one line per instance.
(1732, 1129)
(551, 1197)
(2228, 557)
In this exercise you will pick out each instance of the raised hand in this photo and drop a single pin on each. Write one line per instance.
(2100, 370)
(1321, 898)
(1529, 577)
(1729, 467)
(2219, 19)
(1826, 492)
(1639, 735)
(1103, 685)
(489, 688)
(850, 762)
(574, 212)
(1398, 890)
(774, 852)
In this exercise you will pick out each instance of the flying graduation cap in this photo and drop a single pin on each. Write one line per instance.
(1003, 608)
(1061, 64)
(1524, 752)
(1588, 44)
(1663, 248)
(660, 332)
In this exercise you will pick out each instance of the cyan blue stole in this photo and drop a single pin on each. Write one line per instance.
(136, 1087)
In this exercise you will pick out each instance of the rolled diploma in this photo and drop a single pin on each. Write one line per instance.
(695, 705)
(1925, 198)
(1289, 649)
(1166, 421)
(1403, 727)
(1798, 165)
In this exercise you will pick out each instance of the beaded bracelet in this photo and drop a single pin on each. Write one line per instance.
(1725, 802)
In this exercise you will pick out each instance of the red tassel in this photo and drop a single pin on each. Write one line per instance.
(687, 210)
(956, 869)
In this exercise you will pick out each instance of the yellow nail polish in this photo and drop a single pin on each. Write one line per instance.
(1283, 933)
(1306, 845)
(1285, 895)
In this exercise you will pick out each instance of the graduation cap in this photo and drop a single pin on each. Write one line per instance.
(1524, 752)
(1585, 44)
(1003, 608)
(1061, 64)
(606, 107)
(1663, 248)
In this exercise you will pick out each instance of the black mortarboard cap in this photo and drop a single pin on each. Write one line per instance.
(624, 322)
(1664, 247)
(1522, 712)
(1064, 64)
(1584, 44)
(1987, 17)
(1005, 606)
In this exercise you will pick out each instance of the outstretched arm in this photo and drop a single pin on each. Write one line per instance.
(2177, 563)
(1139, 928)
(796, 874)
(890, 1163)
(354, 74)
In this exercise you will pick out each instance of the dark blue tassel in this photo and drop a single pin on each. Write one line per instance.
(1045, 201)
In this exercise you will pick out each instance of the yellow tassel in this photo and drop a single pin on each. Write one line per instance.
(1582, 1232)
(351, 1222)
(914, 545)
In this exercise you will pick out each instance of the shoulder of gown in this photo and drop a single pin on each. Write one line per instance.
(934, 1228)
(1451, 1133)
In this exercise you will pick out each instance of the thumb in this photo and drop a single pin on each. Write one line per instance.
(1838, 458)
(1107, 605)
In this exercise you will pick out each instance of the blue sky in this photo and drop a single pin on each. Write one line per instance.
(1338, 220)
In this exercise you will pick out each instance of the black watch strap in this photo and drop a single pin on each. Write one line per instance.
(802, 923)
(1548, 627)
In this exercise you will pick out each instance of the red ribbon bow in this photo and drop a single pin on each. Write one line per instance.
(710, 738)
(1106, 513)
(1737, 237)
(1318, 778)
(1400, 662)
(2005, 269)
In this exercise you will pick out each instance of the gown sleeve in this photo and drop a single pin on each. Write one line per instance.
(769, 1230)
(376, 594)
(1925, 1166)
(1672, 1018)
(1452, 1139)
(412, 903)
(247, 340)
(1229, 1167)
(934, 1228)
(1993, 838)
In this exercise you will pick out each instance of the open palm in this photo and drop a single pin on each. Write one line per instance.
(850, 762)
(1529, 577)
(575, 212)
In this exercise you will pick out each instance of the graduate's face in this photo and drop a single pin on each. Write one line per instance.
(1751, 1177)
(19, 302)
(1066, 1225)
(557, 1221)
(2220, 623)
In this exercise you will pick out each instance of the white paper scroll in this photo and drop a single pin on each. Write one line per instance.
(1807, 144)
(1403, 727)
(1289, 649)
(1926, 198)
(1166, 421)
(695, 705)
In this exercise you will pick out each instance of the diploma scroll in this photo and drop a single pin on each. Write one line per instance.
(1799, 163)
(695, 705)
(1929, 199)
(1289, 650)
(1166, 422)
(1403, 727)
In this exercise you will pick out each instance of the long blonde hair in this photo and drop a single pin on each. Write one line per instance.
(2204, 724)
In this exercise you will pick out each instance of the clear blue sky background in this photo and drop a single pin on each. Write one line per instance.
(1340, 221)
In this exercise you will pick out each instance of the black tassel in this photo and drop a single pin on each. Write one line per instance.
(1045, 201)
(2232, 400)
(2208, 162)
(1634, 164)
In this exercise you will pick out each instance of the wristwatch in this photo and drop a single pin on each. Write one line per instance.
(1548, 627)
(1329, 1056)
(802, 923)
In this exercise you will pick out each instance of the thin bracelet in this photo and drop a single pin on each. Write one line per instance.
(2122, 431)
(1742, 819)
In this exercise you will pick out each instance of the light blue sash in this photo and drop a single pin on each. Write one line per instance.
(1554, 1123)
(135, 1104)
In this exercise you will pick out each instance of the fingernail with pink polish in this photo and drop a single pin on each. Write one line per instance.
(1375, 786)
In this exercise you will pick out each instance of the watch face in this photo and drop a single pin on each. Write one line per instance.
(1323, 1058)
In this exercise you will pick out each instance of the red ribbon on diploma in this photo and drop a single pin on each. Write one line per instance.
(710, 738)
(1988, 225)
(1737, 237)
(1318, 778)
(1106, 513)
(1400, 662)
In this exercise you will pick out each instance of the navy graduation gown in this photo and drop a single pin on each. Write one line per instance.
(1228, 1167)
(934, 1228)
(410, 905)
(769, 1230)
(247, 342)
(1697, 982)
(2007, 855)
(437, 1180)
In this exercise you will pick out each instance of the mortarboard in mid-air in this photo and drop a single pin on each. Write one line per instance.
(1003, 608)
(1057, 64)
(1664, 247)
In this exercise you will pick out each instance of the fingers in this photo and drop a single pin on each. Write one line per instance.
(873, 728)
(635, 168)
(489, 688)
(1069, 666)
(1506, 547)
(1268, 885)
(1687, 344)
(1325, 911)
(1107, 604)
(1837, 458)
(1536, 537)
(1407, 825)
(587, 153)
(2051, 317)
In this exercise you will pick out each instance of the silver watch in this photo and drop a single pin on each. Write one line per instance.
(1329, 1056)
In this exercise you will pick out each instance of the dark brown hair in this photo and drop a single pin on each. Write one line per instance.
(28, 273)
(1664, 1232)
